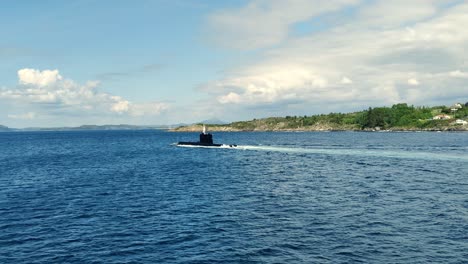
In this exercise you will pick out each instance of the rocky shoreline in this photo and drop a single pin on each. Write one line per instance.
(317, 128)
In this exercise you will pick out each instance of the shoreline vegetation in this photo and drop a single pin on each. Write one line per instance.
(399, 117)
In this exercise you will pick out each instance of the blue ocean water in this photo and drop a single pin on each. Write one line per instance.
(315, 197)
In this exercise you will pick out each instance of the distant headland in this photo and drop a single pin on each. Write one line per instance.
(399, 117)
(84, 127)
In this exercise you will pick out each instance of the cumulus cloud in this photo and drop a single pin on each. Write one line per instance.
(231, 97)
(387, 57)
(413, 82)
(346, 80)
(269, 84)
(48, 88)
(120, 105)
(38, 78)
(459, 74)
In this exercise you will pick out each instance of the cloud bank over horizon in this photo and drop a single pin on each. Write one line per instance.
(50, 94)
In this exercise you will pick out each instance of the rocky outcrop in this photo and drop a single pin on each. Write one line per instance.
(317, 127)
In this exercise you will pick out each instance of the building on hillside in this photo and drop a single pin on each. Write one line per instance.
(461, 122)
(455, 107)
(442, 117)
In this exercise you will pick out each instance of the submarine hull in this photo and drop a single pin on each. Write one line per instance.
(204, 144)
(198, 144)
(206, 140)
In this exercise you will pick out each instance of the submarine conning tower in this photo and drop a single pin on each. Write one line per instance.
(206, 138)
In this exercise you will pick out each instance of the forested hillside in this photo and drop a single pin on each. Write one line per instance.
(397, 117)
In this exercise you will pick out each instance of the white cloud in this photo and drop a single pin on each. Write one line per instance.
(231, 97)
(123, 106)
(263, 23)
(120, 106)
(459, 74)
(413, 82)
(425, 43)
(268, 84)
(38, 78)
(26, 116)
(387, 14)
(346, 80)
(48, 88)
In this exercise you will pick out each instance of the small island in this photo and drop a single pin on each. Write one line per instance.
(399, 117)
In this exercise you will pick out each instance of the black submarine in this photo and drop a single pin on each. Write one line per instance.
(206, 140)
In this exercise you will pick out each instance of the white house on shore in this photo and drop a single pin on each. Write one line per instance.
(461, 122)
(455, 107)
(442, 117)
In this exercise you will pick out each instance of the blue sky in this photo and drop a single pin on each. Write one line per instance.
(87, 40)
(67, 63)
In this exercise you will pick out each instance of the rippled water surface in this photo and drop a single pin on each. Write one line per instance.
(133, 197)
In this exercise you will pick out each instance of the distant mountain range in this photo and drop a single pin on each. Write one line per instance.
(109, 127)
(85, 127)
(4, 128)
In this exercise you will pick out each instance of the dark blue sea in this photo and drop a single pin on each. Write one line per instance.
(315, 197)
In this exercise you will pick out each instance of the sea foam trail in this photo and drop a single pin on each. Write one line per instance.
(346, 151)
(361, 152)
